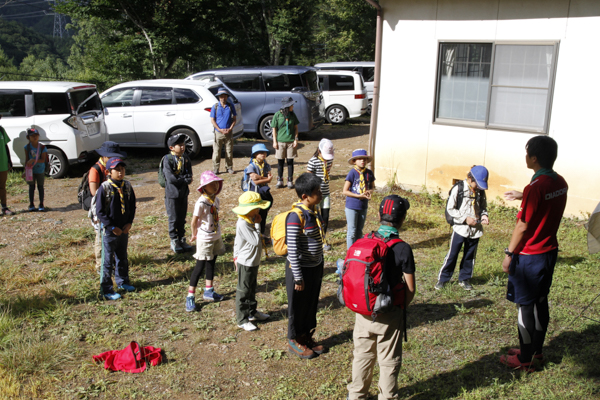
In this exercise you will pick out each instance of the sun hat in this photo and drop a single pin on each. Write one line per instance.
(480, 174)
(208, 177)
(173, 140)
(113, 162)
(326, 148)
(250, 201)
(394, 206)
(32, 131)
(111, 149)
(287, 102)
(359, 153)
(222, 91)
(258, 148)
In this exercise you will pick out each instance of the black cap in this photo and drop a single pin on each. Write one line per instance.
(394, 206)
(173, 140)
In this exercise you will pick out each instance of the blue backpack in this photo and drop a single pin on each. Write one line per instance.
(245, 183)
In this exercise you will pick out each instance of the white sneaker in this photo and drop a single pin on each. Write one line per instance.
(259, 316)
(248, 326)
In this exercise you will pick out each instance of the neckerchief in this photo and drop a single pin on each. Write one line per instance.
(179, 162)
(545, 171)
(213, 210)
(245, 218)
(325, 172)
(387, 231)
(119, 188)
(260, 166)
(363, 186)
(317, 217)
(101, 162)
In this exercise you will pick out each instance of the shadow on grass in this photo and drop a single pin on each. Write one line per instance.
(423, 313)
(429, 243)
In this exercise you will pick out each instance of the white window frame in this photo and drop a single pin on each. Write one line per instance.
(485, 124)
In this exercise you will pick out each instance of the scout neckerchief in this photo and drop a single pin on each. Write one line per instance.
(301, 205)
(387, 231)
(248, 220)
(101, 162)
(213, 210)
(119, 188)
(260, 166)
(545, 171)
(179, 162)
(325, 172)
(363, 186)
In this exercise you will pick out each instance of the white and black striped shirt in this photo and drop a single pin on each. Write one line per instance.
(305, 246)
(316, 167)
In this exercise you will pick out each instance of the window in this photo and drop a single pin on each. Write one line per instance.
(281, 82)
(496, 85)
(156, 96)
(51, 103)
(186, 96)
(311, 81)
(119, 98)
(86, 100)
(368, 74)
(12, 104)
(341, 82)
(242, 83)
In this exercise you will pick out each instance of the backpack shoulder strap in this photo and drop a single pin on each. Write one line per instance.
(459, 194)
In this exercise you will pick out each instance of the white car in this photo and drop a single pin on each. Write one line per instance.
(145, 113)
(365, 68)
(68, 116)
(344, 95)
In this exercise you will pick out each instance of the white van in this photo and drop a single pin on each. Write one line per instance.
(365, 68)
(68, 116)
(344, 95)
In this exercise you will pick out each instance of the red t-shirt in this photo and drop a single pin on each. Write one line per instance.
(544, 202)
(95, 177)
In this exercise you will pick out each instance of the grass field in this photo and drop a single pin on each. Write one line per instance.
(52, 322)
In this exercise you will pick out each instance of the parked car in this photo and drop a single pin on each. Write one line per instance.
(365, 68)
(145, 113)
(344, 95)
(261, 89)
(68, 116)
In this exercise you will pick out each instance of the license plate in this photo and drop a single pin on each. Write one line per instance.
(92, 129)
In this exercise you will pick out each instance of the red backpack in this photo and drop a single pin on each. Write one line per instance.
(364, 286)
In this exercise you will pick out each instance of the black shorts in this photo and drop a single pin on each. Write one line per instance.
(530, 277)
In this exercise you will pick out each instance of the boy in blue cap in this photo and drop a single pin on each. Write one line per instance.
(467, 206)
(259, 176)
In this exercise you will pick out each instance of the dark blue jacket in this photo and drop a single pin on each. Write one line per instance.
(108, 205)
(176, 186)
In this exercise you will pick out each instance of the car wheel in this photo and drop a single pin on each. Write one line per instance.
(58, 163)
(336, 114)
(265, 128)
(368, 112)
(192, 143)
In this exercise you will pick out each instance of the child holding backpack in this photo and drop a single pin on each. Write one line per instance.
(357, 189)
(466, 210)
(320, 165)
(380, 337)
(257, 176)
(206, 228)
(36, 157)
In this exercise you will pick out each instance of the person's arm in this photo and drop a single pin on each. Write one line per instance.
(102, 216)
(485, 219)
(132, 206)
(10, 164)
(27, 160)
(411, 287)
(42, 158)
(513, 195)
(295, 135)
(249, 234)
(274, 130)
(233, 122)
(346, 192)
(258, 180)
(293, 230)
(515, 239)
(454, 209)
(194, 226)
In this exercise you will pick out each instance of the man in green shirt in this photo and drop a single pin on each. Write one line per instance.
(285, 140)
(5, 166)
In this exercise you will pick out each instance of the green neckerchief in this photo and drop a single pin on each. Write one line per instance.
(387, 231)
(545, 171)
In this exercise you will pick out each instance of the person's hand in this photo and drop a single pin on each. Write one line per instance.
(295, 143)
(485, 220)
(275, 146)
(299, 287)
(193, 238)
(257, 219)
(366, 195)
(126, 228)
(506, 263)
(270, 176)
(235, 264)
(117, 231)
(512, 195)
(30, 163)
(471, 221)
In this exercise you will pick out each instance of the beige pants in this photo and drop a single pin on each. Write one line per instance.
(379, 341)
(221, 140)
(98, 249)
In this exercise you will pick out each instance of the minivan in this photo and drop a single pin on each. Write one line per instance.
(344, 95)
(68, 115)
(365, 68)
(261, 89)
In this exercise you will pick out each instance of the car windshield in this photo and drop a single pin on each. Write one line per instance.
(82, 101)
(311, 81)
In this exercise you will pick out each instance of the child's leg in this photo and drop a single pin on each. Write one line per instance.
(31, 193)
(196, 273)
(290, 165)
(108, 251)
(389, 352)
(245, 296)
(121, 262)
(352, 221)
(325, 215)
(264, 213)
(467, 263)
(181, 213)
(40, 184)
(313, 278)
(171, 208)
(98, 249)
(280, 163)
(365, 357)
(456, 242)
(360, 224)
(210, 272)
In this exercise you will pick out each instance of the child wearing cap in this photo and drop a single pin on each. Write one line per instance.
(469, 217)
(358, 187)
(36, 157)
(381, 339)
(285, 140)
(177, 168)
(259, 172)
(206, 227)
(115, 209)
(246, 257)
(320, 165)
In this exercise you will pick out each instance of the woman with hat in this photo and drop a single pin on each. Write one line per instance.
(223, 118)
(358, 187)
(285, 140)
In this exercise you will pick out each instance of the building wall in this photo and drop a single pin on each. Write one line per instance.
(417, 152)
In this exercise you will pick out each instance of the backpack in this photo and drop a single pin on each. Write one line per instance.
(108, 194)
(245, 183)
(364, 285)
(162, 181)
(278, 230)
(84, 194)
(459, 199)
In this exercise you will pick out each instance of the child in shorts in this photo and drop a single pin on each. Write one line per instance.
(36, 157)
(320, 165)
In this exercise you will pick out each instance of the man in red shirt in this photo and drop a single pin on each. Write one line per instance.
(532, 252)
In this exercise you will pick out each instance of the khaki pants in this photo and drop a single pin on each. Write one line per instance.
(98, 249)
(221, 140)
(379, 341)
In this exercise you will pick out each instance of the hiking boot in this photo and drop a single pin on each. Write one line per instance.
(517, 352)
(230, 171)
(127, 287)
(112, 296)
(314, 346)
(176, 246)
(439, 285)
(248, 326)
(211, 295)
(6, 211)
(290, 184)
(259, 316)
(32, 208)
(466, 284)
(41, 208)
(300, 350)
(279, 183)
(190, 304)
(514, 362)
(186, 247)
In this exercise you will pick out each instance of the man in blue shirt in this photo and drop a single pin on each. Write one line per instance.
(223, 117)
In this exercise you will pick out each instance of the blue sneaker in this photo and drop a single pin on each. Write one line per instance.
(190, 304)
(211, 295)
(32, 208)
(112, 296)
(127, 287)
(176, 246)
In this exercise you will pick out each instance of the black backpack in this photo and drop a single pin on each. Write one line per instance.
(84, 195)
(459, 198)
(162, 181)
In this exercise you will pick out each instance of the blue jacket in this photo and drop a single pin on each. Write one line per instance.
(108, 205)
(176, 186)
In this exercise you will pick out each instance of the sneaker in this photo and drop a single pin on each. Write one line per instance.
(211, 296)
(6, 211)
(439, 285)
(190, 304)
(259, 316)
(465, 284)
(514, 362)
(216, 171)
(127, 287)
(112, 296)
(186, 247)
(176, 246)
(32, 208)
(230, 171)
(300, 350)
(326, 247)
(248, 326)
(279, 183)
(317, 348)
(290, 184)
(41, 208)
(517, 352)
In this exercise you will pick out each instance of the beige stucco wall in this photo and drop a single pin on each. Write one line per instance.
(420, 153)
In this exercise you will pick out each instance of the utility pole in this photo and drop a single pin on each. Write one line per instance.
(60, 21)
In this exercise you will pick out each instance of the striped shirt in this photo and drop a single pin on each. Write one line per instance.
(305, 246)
(316, 167)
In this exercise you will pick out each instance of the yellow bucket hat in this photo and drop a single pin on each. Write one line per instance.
(248, 202)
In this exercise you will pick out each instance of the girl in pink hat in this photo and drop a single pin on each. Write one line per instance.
(207, 230)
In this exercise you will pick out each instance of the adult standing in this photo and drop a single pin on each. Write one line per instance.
(223, 118)
(5, 166)
(533, 249)
(285, 140)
